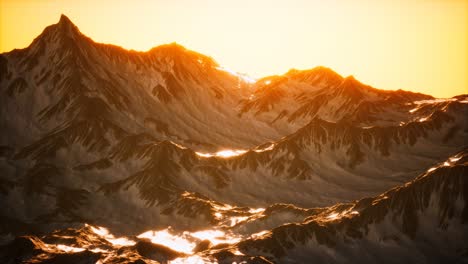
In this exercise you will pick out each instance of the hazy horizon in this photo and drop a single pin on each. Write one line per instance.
(414, 45)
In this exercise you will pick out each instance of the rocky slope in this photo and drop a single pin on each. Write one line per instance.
(406, 223)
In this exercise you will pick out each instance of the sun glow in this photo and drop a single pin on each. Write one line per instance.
(413, 44)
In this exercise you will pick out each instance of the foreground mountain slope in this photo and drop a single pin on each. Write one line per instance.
(404, 224)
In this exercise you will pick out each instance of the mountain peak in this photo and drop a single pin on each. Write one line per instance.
(66, 26)
(174, 47)
(62, 31)
(351, 80)
(316, 75)
(64, 20)
(352, 87)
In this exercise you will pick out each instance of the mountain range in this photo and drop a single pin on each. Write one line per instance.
(112, 156)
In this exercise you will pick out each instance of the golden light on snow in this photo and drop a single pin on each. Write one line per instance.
(270, 147)
(450, 161)
(256, 210)
(186, 241)
(241, 76)
(120, 241)
(218, 215)
(260, 234)
(227, 153)
(215, 237)
(231, 221)
(165, 238)
(333, 216)
(69, 249)
(420, 103)
(205, 155)
(234, 220)
(237, 219)
(192, 260)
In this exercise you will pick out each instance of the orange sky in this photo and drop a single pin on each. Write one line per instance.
(417, 45)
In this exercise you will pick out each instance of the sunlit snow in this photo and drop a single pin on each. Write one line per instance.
(244, 77)
(165, 238)
(120, 241)
(223, 153)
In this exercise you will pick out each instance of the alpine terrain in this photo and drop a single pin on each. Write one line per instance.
(110, 155)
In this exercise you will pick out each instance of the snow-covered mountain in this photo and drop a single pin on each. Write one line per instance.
(96, 135)
(63, 72)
